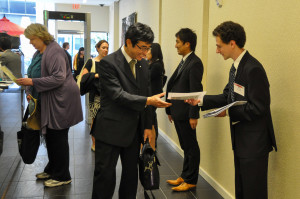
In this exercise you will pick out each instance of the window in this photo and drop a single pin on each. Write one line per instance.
(4, 6)
(18, 7)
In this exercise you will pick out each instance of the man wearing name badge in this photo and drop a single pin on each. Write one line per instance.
(124, 119)
(185, 79)
(252, 132)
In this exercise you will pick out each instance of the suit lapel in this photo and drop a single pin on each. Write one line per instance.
(140, 77)
(185, 64)
(125, 68)
(242, 65)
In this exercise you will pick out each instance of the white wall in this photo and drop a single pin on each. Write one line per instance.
(147, 13)
(113, 27)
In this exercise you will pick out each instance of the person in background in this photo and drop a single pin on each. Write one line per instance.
(252, 132)
(124, 119)
(186, 78)
(157, 72)
(94, 95)
(57, 89)
(78, 62)
(66, 47)
(8, 58)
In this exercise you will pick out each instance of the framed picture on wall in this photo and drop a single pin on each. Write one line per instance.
(126, 22)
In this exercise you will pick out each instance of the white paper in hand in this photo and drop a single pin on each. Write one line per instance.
(220, 110)
(185, 96)
(8, 73)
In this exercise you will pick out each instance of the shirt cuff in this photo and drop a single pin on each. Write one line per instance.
(201, 101)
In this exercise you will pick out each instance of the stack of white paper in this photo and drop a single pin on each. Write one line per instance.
(220, 110)
(185, 96)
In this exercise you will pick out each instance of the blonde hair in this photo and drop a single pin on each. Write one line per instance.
(39, 31)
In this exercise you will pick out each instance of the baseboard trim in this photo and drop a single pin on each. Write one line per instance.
(219, 188)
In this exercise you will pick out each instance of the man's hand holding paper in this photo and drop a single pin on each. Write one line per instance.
(193, 102)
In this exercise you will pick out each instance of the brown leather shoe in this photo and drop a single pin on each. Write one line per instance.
(176, 182)
(184, 187)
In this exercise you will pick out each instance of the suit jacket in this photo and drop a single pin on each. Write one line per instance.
(123, 99)
(253, 135)
(69, 58)
(12, 61)
(188, 80)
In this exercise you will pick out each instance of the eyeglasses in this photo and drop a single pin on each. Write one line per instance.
(144, 49)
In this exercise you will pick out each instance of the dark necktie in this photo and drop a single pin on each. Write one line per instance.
(132, 66)
(231, 81)
(180, 67)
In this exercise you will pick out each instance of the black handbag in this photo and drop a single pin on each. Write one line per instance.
(148, 167)
(28, 141)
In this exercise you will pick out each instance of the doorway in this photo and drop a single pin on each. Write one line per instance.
(76, 40)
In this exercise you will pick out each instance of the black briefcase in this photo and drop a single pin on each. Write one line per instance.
(148, 168)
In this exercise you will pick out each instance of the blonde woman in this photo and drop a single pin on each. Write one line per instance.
(60, 103)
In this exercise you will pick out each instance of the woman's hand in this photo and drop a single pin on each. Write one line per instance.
(25, 81)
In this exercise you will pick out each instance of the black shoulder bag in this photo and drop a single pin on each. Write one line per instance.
(28, 141)
(148, 169)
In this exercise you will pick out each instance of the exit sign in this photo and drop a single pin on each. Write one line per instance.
(75, 6)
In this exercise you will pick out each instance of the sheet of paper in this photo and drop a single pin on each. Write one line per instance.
(184, 96)
(8, 73)
(220, 110)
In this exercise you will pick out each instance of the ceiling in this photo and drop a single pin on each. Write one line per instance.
(82, 2)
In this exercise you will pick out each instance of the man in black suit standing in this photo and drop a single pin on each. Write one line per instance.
(251, 125)
(66, 47)
(186, 78)
(125, 115)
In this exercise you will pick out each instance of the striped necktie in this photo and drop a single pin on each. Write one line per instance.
(180, 67)
(231, 81)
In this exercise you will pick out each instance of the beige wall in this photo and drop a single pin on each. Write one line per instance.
(272, 29)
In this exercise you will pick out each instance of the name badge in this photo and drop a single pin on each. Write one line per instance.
(239, 89)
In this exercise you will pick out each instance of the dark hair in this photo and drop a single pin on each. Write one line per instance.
(78, 54)
(80, 49)
(187, 35)
(139, 32)
(5, 43)
(100, 43)
(156, 54)
(228, 31)
(65, 44)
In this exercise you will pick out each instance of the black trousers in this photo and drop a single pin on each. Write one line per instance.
(251, 177)
(189, 144)
(106, 158)
(58, 154)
